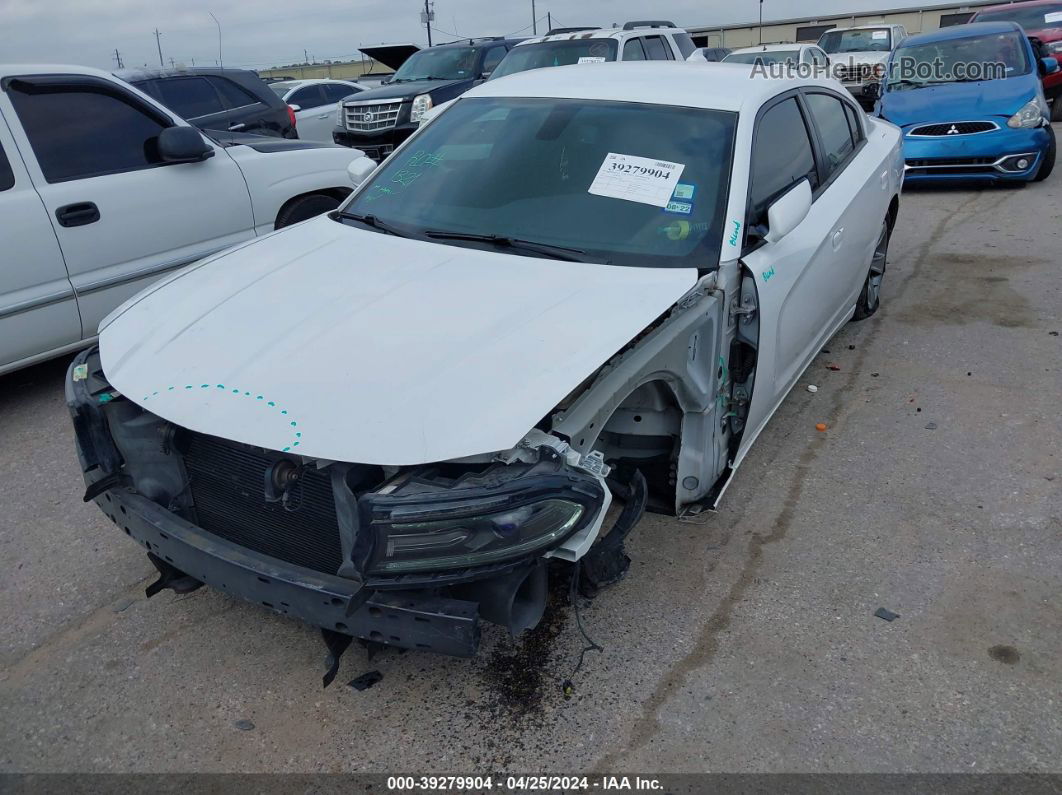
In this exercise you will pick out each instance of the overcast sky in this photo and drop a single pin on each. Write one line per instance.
(262, 33)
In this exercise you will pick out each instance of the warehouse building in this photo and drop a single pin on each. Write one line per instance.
(915, 19)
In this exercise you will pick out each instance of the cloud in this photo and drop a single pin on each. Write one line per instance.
(266, 32)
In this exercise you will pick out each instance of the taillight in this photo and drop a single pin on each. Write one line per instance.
(291, 115)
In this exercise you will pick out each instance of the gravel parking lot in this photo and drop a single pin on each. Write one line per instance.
(745, 641)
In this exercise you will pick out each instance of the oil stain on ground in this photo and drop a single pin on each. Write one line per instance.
(1004, 654)
(968, 288)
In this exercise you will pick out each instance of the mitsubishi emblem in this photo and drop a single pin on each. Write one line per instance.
(954, 130)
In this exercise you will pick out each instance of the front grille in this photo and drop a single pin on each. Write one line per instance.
(951, 165)
(371, 116)
(228, 489)
(856, 73)
(953, 128)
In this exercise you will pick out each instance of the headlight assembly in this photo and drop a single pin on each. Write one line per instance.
(406, 543)
(1030, 115)
(421, 106)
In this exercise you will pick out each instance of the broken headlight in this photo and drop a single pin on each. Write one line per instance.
(411, 541)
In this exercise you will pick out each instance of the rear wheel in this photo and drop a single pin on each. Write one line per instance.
(305, 207)
(1048, 164)
(1056, 108)
(870, 296)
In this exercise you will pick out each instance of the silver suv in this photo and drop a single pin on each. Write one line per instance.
(650, 40)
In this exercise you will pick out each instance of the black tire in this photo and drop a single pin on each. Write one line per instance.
(1056, 108)
(1048, 165)
(305, 207)
(870, 295)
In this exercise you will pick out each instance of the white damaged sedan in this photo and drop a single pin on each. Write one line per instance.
(571, 286)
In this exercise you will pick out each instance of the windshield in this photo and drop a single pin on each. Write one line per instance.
(868, 40)
(969, 59)
(1035, 18)
(765, 58)
(445, 63)
(283, 87)
(555, 53)
(548, 171)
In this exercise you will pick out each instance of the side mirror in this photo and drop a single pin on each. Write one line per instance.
(787, 212)
(295, 108)
(1049, 66)
(359, 169)
(183, 145)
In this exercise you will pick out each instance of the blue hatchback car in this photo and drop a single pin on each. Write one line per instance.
(970, 104)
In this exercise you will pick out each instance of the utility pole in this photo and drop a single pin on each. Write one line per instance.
(172, 64)
(428, 14)
(549, 22)
(761, 21)
(305, 56)
(534, 19)
(221, 61)
(118, 58)
(158, 43)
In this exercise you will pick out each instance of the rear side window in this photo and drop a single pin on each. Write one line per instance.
(7, 176)
(834, 129)
(493, 58)
(335, 92)
(78, 133)
(855, 123)
(685, 44)
(190, 97)
(232, 95)
(632, 50)
(656, 49)
(308, 97)
(781, 156)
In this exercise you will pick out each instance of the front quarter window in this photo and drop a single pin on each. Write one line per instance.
(503, 172)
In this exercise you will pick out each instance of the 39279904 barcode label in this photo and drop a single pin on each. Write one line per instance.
(636, 179)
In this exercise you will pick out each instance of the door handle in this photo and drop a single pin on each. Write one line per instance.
(77, 214)
(838, 238)
(237, 126)
(324, 115)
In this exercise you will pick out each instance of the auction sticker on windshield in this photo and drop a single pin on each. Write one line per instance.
(591, 59)
(636, 179)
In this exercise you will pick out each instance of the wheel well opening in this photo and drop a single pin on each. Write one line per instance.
(643, 433)
(339, 194)
(894, 210)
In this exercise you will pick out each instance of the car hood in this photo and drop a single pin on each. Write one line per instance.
(405, 90)
(345, 344)
(958, 101)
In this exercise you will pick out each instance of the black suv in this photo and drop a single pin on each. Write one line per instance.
(378, 120)
(217, 99)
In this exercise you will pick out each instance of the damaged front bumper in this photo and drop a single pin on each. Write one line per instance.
(411, 557)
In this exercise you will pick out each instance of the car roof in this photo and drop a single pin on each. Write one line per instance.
(727, 86)
(772, 48)
(601, 33)
(962, 32)
(51, 69)
(868, 27)
(148, 73)
(482, 42)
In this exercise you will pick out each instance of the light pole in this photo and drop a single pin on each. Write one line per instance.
(221, 61)
(534, 20)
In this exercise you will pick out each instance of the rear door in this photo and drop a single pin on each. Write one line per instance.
(242, 107)
(38, 312)
(195, 100)
(121, 216)
(315, 116)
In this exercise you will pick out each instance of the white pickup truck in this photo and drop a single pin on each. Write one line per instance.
(103, 190)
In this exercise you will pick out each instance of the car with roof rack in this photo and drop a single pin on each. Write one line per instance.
(378, 120)
(640, 40)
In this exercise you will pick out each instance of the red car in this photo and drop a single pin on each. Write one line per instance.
(1041, 19)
